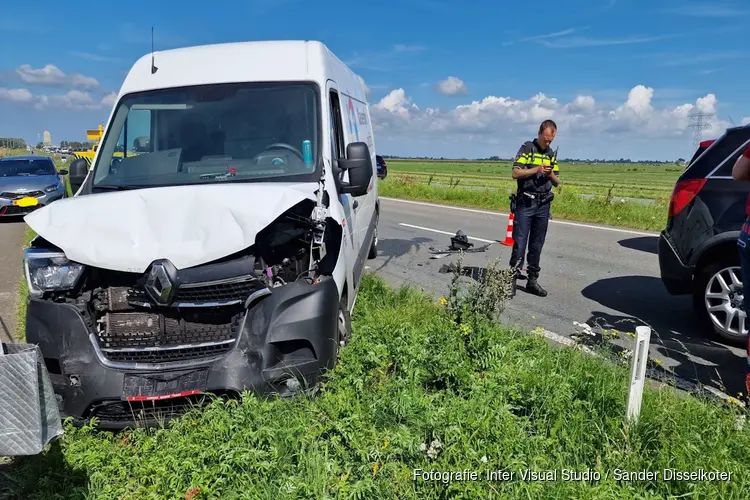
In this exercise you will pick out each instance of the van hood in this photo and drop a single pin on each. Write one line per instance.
(189, 225)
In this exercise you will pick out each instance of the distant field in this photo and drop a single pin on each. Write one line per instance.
(627, 180)
(633, 195)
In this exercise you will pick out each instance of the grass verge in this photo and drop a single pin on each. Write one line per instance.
(415, 389)
(566, 205)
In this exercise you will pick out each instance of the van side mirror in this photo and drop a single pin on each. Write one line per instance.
(79, 169)
(358, 163)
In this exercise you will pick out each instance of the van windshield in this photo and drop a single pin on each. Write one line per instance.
(212, 133)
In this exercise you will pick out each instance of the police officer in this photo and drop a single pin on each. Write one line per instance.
(536, 172)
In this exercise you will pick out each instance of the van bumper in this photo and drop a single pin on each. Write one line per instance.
(676, 276)
(290, 333)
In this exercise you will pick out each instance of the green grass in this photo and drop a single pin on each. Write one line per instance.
(611, 182)
(566, 205)
(410, 379)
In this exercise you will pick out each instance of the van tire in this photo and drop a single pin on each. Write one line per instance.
(702, 278)
(374, 245)
(343, 325)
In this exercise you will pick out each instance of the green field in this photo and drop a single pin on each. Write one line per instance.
(414, 390)
(634, 180)
(601, 193)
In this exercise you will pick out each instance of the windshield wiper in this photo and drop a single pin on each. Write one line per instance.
(116, 188)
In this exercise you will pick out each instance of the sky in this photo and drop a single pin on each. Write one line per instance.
(620, 77)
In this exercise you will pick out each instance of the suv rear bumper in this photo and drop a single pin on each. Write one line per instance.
(676, 276)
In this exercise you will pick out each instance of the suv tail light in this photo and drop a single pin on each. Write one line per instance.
(684, 192)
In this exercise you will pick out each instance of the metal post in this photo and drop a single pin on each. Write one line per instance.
(638, 371)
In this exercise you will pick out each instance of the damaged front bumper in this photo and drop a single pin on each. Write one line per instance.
(287, 334)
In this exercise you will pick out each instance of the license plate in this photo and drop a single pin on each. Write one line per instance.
(163, 386)
(27, 201)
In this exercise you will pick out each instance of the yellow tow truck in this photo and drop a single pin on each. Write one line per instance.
(94, 135)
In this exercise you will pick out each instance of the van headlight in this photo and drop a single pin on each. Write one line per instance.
(48, 271)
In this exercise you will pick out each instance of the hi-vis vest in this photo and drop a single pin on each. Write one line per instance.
(529, 156)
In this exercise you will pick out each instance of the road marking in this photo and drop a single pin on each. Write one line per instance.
(443, 232)
(505, 214)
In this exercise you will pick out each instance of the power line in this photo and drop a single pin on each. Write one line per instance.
(699, 122)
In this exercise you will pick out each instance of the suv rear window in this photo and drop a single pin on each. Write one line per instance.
(715, 155)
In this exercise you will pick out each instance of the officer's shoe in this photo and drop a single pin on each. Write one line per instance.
(534, 288)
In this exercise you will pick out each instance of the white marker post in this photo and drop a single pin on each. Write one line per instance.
(638, 371)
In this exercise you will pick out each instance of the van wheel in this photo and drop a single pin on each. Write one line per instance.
(343, 326)
(374, 245)
(718, 300)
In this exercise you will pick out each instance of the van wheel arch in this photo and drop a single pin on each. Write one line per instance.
(343, 322)
(373, 253)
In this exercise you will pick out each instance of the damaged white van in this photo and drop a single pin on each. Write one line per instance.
(219, 239)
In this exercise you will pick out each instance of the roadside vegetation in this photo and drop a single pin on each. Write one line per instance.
(627, 195)
(422, 385)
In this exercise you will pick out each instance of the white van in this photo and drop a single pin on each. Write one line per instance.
(218, 241)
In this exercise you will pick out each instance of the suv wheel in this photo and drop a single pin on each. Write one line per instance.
(718, 299)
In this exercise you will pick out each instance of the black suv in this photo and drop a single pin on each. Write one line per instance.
(382, 167)
(698, 251)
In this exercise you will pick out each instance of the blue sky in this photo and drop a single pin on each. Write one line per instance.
(620, 77)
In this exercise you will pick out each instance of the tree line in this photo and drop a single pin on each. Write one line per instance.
(12, 143)
(565, 160)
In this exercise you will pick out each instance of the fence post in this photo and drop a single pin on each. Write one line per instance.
(638, 371)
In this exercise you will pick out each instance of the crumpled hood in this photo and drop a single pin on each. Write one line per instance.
(189, 225)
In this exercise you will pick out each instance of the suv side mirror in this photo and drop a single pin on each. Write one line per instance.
(79, 169)
(358, 163)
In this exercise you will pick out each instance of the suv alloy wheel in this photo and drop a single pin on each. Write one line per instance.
(721, 301)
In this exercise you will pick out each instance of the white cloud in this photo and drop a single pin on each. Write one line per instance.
(15, 95)
(52, 76)
(452, 86)
(368, 90)
(73, 99)
(745, 121)
(504, 120)
(109, 99)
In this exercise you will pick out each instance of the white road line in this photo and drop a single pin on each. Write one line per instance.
(505, 214)
(443, 232)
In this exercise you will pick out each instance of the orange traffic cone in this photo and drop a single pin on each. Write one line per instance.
(509, 233)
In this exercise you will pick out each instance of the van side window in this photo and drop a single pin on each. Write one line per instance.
(338, 129)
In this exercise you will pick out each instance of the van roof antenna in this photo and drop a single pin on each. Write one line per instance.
(154, 69)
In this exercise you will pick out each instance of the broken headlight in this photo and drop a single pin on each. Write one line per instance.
(48, 271)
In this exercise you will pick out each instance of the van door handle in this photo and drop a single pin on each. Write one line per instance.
(355, 205)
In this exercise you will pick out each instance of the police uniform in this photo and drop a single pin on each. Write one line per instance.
(532, 212)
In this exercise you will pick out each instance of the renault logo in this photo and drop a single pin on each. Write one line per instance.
(158, 285)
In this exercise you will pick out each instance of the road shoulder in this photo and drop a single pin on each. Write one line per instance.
(12, 238)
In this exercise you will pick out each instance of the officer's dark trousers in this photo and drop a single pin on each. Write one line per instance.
(530, 222)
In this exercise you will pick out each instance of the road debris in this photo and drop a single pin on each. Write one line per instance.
(459, 244)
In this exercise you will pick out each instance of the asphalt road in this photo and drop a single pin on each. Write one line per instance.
(605, 277)
(12, 232)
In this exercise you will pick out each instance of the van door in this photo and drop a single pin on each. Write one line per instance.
(358, 130)
(350, 243)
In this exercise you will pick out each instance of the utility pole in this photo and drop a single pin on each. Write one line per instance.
(699, 122)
